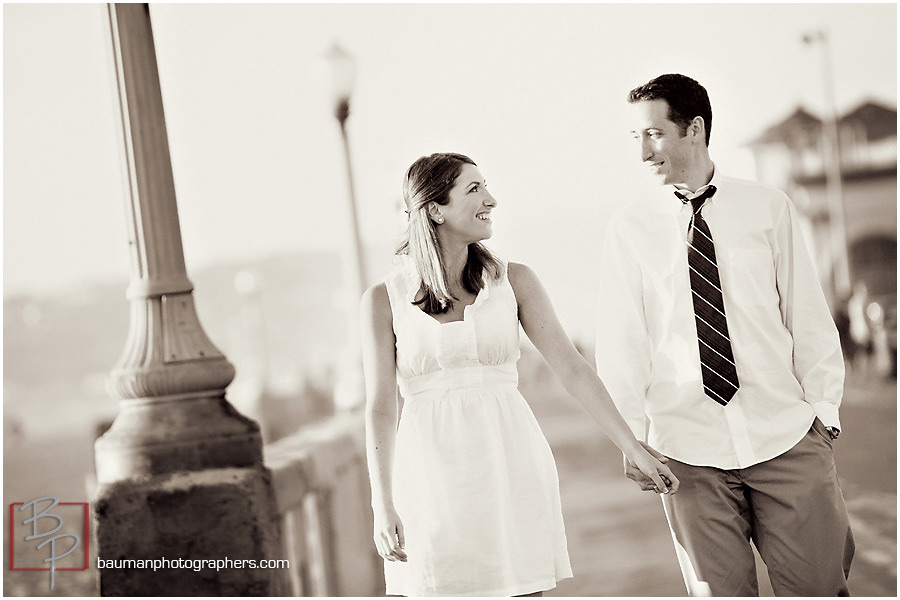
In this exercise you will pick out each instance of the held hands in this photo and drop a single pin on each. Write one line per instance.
(389, 539)
(647, 468)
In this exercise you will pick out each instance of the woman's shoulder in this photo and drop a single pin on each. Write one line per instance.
(375, 303)
(521, 276)
(519, 270)
(376, 295)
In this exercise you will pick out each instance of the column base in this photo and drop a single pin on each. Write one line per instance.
(154, 436)
(211, 515)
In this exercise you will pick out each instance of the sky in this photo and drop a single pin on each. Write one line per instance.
(532, 92)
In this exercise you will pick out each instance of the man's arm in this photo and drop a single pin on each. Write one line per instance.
(622, 348)
(818, 361)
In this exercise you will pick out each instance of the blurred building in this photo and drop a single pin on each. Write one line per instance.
(791, 155)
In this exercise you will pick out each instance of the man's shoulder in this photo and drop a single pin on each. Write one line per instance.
(640, 202)
(750, 187)
(636, 213)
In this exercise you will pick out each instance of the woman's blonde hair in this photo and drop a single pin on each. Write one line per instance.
(427, 180)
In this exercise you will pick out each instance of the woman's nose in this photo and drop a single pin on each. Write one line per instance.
(489, 199)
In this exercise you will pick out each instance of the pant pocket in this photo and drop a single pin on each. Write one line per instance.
(819, 427)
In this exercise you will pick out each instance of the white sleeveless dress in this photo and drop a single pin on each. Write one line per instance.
(475, 483)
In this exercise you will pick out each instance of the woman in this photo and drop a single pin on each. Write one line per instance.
(465, 491)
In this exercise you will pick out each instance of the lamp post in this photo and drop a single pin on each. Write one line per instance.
(832, 160)
(180, 471)
(343, 73)
(349, 387)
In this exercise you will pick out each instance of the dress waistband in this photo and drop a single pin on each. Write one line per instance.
(476, 376)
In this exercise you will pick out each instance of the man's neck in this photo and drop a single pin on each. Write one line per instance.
(699, 177)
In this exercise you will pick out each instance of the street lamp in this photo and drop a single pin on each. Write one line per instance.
(833, 185)
(349, 389)
(343, 76)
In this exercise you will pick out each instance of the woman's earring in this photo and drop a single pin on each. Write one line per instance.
(440, 220)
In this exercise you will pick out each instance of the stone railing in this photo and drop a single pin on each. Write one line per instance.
(322, 492)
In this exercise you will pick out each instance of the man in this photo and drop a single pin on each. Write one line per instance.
(717, 345)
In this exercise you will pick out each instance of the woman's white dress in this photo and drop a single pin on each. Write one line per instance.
(475, 483)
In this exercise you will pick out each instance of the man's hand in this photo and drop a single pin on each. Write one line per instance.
(635, 474)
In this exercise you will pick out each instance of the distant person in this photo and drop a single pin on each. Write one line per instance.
(842, 323)
(465, 492)
(860, 331)
(717, 346)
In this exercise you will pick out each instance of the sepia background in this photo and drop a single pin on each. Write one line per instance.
(534, 94)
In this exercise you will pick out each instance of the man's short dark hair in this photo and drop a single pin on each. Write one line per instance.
(686, 99)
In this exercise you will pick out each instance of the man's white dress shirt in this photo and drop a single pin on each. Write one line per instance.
(785, 343)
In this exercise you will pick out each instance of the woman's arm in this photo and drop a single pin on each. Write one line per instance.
(547, 334)
(382, 414)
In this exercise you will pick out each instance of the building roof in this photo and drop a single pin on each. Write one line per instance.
(880, 121)
(800, 124)
(802, 128)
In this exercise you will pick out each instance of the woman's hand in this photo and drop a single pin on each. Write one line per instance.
(389, 538)
(647, 468)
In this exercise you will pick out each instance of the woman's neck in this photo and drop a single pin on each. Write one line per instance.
(455, 262)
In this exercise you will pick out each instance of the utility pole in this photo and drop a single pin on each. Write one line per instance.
(833, 178)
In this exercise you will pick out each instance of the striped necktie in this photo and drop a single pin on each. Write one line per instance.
(716, 358)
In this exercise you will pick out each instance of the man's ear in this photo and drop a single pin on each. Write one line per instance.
(697, 129)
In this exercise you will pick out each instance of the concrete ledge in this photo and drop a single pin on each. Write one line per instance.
(315, 458)
(321, 488)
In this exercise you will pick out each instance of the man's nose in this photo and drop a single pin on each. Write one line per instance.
(646, 150)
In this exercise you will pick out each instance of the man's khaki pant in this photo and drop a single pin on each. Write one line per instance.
(791, 507)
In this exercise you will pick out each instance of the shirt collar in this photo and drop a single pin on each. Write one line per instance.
(714, 180)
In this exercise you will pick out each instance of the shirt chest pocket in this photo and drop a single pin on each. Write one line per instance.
(751, 277)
